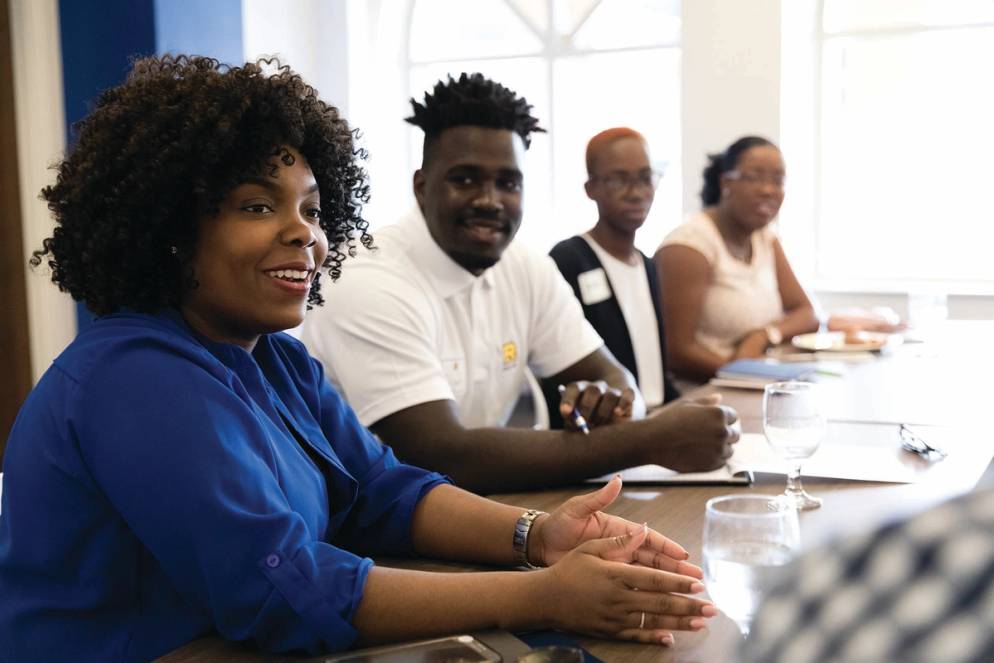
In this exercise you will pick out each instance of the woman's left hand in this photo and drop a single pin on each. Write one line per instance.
(580, 519)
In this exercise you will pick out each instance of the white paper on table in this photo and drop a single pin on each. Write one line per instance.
(832, 461)
(854, 462)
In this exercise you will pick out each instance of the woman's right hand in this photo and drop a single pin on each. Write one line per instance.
(598, 589)
(752, 345)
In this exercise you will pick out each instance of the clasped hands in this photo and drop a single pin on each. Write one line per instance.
(609, 577)
(598, 403)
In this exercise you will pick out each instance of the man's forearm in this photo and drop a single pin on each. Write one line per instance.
(486, 460)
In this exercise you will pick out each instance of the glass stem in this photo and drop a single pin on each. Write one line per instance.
(794, 486)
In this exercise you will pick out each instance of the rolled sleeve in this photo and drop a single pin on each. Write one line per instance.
(389, 491)
(297, 575)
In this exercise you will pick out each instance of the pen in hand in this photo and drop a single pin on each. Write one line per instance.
(575, 415)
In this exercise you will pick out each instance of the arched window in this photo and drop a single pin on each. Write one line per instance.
(585, 65)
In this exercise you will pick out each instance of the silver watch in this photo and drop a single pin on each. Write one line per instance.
(522, 529)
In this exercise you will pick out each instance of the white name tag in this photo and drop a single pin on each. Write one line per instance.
(594, 287)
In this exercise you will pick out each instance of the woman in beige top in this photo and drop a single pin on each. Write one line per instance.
(728, 291)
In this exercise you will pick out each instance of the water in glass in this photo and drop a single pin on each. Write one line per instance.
(794, 425)
(746, 539)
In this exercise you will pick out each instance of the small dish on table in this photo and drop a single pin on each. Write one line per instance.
(839, 341)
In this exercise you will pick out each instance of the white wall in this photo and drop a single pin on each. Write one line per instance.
(309, 35)
(40, 124)
(731, 80)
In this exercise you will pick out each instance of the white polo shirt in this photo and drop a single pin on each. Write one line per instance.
(406, 325)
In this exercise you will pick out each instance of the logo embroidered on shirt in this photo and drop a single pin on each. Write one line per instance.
(509, 351)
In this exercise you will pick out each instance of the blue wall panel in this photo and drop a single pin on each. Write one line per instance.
(100, 39)
(196, 27)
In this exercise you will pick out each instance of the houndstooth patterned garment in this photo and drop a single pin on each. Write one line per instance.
(922, 590)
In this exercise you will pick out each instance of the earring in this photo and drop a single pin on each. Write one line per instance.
(173, 250)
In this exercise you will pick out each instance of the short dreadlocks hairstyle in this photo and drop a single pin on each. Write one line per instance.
(473, 100)
(162, 150)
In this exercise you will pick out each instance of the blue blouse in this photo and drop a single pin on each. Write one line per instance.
(155, 491)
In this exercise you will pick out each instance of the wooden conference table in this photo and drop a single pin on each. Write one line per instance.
(938, 386)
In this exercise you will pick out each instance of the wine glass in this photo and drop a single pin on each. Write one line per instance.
(794, 425)
(746, 539)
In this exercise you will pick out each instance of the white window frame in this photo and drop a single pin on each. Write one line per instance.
(821, 281)
(387, 23)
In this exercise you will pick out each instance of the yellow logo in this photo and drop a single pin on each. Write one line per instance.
(510, 353)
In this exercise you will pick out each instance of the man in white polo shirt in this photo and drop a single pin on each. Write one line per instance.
(429, 335)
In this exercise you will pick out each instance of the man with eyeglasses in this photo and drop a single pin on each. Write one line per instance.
(429, 337)
(615, 282)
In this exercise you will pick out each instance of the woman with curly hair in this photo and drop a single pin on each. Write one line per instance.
(184, 469)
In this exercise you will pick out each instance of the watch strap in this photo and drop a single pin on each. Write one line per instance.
(522, 529)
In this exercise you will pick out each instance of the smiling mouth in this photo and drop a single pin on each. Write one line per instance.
(290, 275)
(485, 230)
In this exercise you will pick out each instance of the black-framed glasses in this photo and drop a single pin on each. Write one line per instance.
(646, 179)
(776, 180)
(911, 441)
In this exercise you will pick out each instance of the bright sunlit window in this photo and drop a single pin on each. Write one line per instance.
(585, 66)
(904, 155)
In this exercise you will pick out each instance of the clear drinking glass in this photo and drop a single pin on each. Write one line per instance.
(794, 424)
(746, 539)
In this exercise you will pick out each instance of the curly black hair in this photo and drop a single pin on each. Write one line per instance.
(473, 100)
(722, 162)
(163, 149)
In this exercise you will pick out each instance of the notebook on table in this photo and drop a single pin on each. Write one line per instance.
(756, 373)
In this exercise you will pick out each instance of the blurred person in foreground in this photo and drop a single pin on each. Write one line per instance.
(184, 468)
(449, 313)
(921, 590)
(728, 290)
(616, 283)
